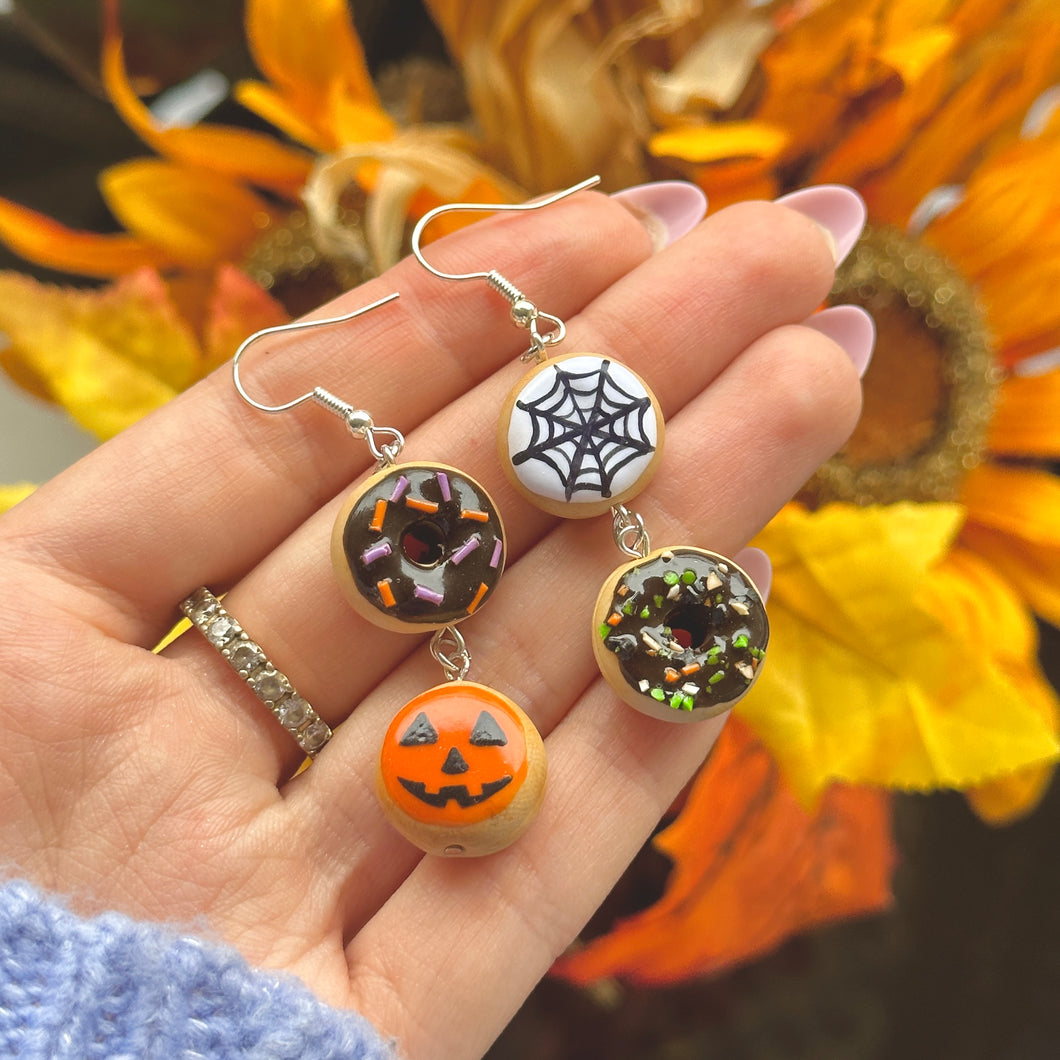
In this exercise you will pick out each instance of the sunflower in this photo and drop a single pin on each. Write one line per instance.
(907, 573)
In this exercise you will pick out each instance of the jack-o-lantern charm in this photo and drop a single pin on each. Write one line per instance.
(462, 770)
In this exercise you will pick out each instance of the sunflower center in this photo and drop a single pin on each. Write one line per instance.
(929, 392)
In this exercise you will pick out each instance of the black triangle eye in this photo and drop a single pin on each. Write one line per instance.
(487, 733)
(421, 731)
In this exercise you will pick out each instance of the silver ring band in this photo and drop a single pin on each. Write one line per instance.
(245, 656)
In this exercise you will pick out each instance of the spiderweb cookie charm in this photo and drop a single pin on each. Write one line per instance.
(580, 433)
(679, 633)
(420, 547)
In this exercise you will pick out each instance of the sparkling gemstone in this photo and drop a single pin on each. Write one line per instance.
(315, 736)
(293, 712)
(247, 656)
(222, 630)
(269, 686)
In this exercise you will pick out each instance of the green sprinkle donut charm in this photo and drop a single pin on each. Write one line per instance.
(680, 634)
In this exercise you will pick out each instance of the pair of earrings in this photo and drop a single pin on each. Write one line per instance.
(679, 632)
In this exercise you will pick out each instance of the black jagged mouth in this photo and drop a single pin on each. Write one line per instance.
(456, 792)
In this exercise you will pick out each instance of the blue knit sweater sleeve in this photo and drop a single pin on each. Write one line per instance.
(114, 988)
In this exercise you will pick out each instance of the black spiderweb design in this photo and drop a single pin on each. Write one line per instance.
(586, 428)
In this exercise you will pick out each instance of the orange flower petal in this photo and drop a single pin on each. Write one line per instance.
(751, 868)
(235, 153)
(278, 110)
(200, 218)
(238, 307)
(1034, 570)
(305, 48)
(1027, 419)
(1018, 501)
(46, 242)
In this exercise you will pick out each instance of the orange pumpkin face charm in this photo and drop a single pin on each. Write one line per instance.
(462, 770)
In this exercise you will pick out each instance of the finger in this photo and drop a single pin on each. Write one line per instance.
(536, 646)
(291, 603)
(612, 772)
(210, 485)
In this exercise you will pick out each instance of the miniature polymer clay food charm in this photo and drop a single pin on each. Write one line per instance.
(580, 434)
(680, 633)
(418, 547)
(462, 771)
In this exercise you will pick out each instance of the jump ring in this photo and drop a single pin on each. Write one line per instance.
(245, 656)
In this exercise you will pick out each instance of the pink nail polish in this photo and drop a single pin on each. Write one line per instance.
(669, 209)
(839, 210)
(757, 564)
(851, 327)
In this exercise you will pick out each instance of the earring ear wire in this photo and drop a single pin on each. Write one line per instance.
(358, 420)
(318, 394)
(525, 314)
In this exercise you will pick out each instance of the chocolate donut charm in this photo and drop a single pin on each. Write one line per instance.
(462, 770)
(580, 434)
(680, 634)
(418, 547)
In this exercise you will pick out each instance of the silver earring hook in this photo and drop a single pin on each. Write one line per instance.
(358, 420)
(524, 313)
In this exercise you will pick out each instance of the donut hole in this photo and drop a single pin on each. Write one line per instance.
(690, 626)
(423, 543)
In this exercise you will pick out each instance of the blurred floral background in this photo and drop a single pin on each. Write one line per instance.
(867, 866)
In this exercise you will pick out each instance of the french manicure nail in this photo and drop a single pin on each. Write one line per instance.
(839, 210)
(757, 564)
(851, 327)
(667, 208)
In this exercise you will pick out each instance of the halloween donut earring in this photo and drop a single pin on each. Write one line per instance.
(680, 632)
(420, 547)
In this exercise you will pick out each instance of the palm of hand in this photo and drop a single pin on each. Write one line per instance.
(157, 785)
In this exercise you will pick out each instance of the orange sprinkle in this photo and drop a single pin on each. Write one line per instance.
(670, 674)
(623, 589)
(691, 668)
(615, 618)
(482, 590)
(386, 593)
(470, 513)
(421, 506)
(377, 519)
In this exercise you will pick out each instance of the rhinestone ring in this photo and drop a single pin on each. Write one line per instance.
(245, 656)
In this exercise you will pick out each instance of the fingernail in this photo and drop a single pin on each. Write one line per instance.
(851, 327)
(839, 210)
(668, 209)
(756, 563)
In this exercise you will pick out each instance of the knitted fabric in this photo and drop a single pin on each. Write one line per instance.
(110, 987)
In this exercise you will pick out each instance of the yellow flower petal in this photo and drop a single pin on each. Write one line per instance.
(974, 601)
(720, 141)
(863, 683)
(46, 242)
(1027, 419)
(200, 218)
(11, 495)
(236, 153)
(1011, 797)
(109, 356)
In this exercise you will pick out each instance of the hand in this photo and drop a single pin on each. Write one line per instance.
(156, 784)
